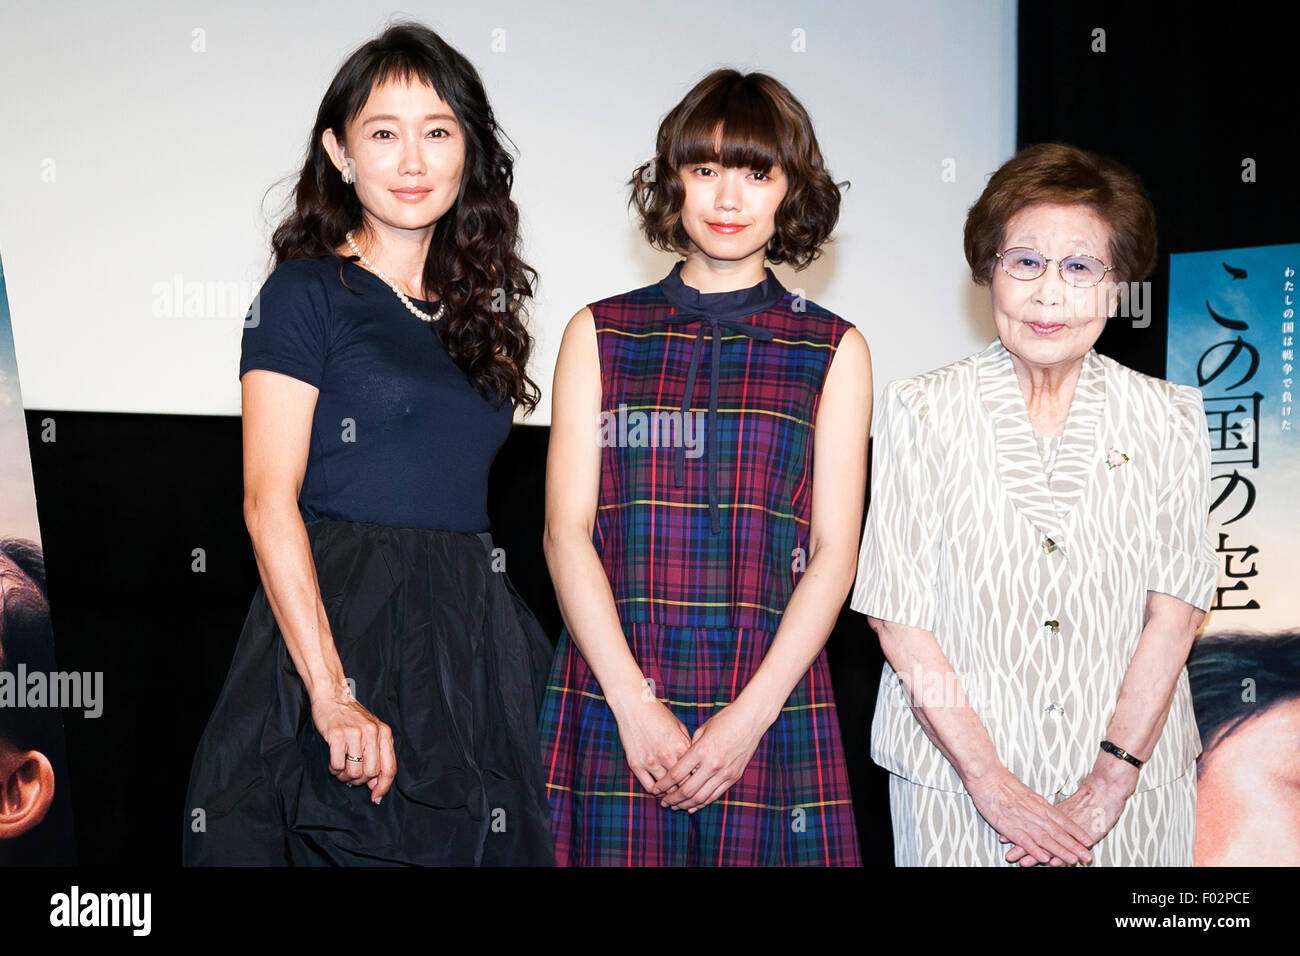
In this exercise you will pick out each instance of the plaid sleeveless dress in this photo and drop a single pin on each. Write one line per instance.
(703, 533)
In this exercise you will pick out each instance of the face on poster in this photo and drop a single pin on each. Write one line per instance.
(1232, 335)
(35, 826)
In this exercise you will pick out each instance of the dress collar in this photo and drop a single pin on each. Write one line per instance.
(734, 304)
(1045, 501)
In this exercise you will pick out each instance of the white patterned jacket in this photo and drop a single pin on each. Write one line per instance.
(1034, 587)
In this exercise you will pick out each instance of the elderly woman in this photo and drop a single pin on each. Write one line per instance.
(1036, 560)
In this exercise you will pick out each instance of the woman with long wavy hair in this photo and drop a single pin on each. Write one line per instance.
(381, 707)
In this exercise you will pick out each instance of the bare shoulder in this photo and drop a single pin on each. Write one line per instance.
(580, 335)
(850, 366)
(582, 323)
(578, 363)
(853, 347)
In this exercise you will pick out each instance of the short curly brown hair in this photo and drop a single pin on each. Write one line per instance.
(762, 125)
(1058, 173)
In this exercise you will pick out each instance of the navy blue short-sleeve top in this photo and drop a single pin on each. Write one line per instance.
(401, 435)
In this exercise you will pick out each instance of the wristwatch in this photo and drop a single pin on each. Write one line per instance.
(1122, 754)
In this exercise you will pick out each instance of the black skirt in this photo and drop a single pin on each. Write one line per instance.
(443, 650)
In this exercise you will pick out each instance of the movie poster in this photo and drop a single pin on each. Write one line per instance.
(1232, 334)
(35, 804)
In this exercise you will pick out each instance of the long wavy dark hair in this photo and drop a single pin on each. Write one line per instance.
(473, 262)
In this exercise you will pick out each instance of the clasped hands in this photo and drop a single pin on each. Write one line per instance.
(1054, 834)
(688, 771)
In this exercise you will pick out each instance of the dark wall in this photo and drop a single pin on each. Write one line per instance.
(1182, 100)
(123, 502)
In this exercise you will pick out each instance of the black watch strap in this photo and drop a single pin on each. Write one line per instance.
(1122, 754)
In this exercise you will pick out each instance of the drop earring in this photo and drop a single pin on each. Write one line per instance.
(349, 167)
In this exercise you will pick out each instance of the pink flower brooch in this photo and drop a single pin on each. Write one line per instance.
(1115, 458)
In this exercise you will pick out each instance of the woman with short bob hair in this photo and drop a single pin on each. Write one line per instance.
(1036, 560)
(689, 717)
(763, 126)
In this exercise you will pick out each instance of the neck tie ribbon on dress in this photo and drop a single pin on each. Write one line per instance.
(714, 320)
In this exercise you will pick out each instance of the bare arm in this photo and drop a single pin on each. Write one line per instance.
(839, 486)
(1184, 570)
(1148, 686)
(277, 418)
(952, 725)
(572, 488)
(581, 587)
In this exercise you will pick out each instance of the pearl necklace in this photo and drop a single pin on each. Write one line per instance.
(418, 313)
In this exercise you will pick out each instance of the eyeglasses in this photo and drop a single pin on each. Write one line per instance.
(1027, 263)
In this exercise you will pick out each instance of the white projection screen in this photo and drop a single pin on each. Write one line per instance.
(147, 146)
